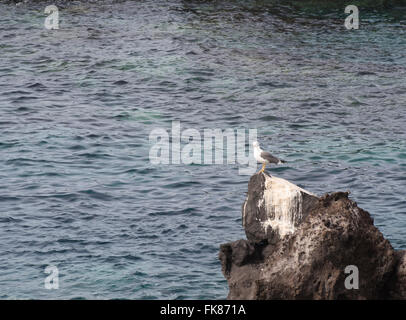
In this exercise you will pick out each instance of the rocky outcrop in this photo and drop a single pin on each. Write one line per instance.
(299, 246)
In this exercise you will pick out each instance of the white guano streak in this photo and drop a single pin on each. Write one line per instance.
(283, 205)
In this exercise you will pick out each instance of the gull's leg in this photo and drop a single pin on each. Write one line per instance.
(261, 168)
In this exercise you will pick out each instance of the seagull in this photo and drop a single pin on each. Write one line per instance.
(264, 157)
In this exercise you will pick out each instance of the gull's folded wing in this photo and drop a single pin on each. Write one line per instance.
(269, 157)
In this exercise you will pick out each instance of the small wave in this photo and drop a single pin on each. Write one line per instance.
(37, 86)
(97, 195)
(120, 83)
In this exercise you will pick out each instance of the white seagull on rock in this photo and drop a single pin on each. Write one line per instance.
(264, 157)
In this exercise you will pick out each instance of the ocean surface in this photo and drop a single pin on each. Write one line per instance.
(77, 106)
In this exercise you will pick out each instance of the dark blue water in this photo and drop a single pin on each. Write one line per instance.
(77, 105)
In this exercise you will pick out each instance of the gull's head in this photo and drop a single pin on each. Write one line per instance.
(255, 144)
